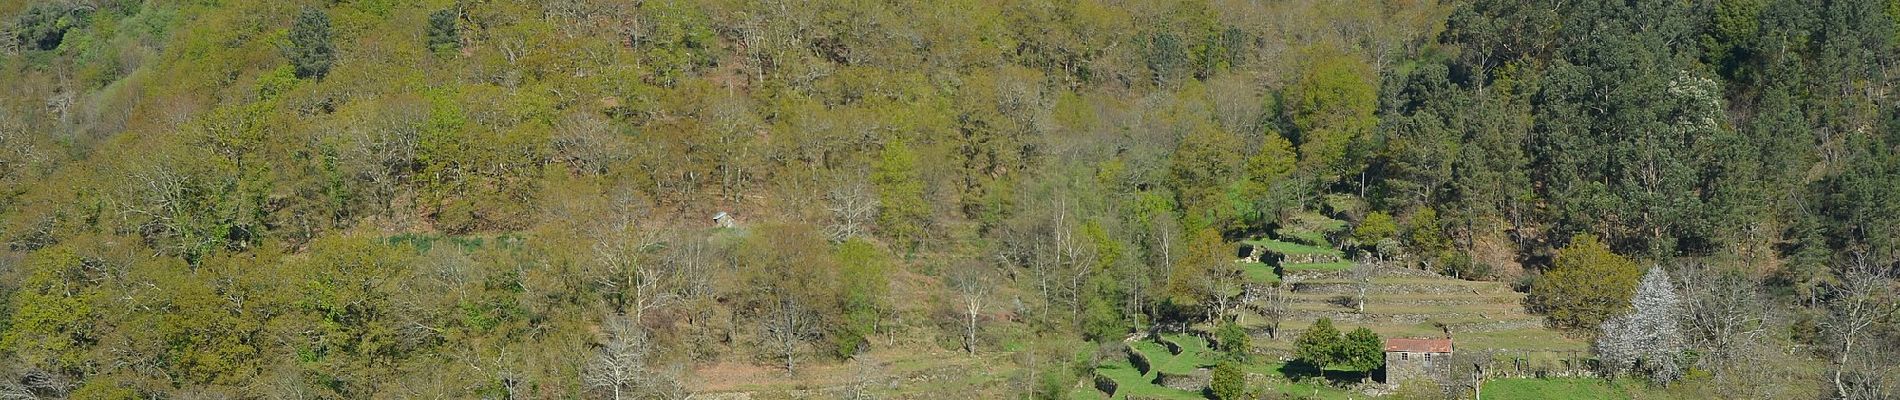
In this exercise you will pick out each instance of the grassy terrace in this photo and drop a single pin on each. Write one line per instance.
(1194, 354)
(1131, 382)
(1259, 272)
(1291, 248)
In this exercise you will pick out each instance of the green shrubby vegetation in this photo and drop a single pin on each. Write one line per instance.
(512, 199)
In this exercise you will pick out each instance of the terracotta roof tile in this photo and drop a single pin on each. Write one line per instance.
(1419, 345)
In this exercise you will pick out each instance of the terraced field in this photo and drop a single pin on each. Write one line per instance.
(1412, 303)
(1137, 375)
(1398, 303)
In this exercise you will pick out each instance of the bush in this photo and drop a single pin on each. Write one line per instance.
(1229, 382)
(1233, 340)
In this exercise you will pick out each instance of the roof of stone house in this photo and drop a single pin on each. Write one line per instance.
(1419, 345)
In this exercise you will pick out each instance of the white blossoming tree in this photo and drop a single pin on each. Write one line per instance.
(1647, 340)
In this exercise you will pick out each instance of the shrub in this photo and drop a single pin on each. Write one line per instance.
(1228, 382)
(1233, 339)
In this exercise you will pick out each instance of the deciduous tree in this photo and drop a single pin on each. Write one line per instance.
(1648, 340)
(1588, 284)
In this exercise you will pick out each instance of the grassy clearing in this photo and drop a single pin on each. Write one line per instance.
(1290, 248)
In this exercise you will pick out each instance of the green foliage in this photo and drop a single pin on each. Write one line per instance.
(1275, 160)
(1189, 282)
(1361, 350)
(1203, 163)
(1233, 340)
(1587, 285)
(1319, 344)
(863, 287)
(1322, 346)
(197, 196)
(676, 40)
(44, 25)
(444, 36)
(104, 389)
(1332, 104)
(903, 213)
(1376, 227)
(1425, 237)
(310, 50)
(1229, 381)
(52, 314)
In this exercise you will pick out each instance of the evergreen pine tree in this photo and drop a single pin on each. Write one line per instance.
(310, 49)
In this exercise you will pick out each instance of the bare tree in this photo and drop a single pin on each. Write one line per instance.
(868, 372)
(1863, 298)
(853, 204)
(622, 367)
(379, 152)
(33, 384)
(1469, 370)
(973, 289)
(1361, 274)
(788, 327)
(17, 152)
(586, 142)
(628, 259)
(1724, 317)
(1275, 306)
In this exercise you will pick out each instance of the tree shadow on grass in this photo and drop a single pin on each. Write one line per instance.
(1300, 371)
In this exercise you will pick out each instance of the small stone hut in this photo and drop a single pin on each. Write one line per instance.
(1411, 359)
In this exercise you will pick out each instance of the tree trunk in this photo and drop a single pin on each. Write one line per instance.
(969, 343)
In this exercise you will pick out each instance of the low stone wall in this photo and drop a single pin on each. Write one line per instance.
(1345, 287)
(1140, 361)
(1307, 258)
(1173, 348)
(1104, 384)
(1194, 381)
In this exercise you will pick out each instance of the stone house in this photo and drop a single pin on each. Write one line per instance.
(1410, 359)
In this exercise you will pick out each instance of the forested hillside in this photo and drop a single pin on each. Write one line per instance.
(931, 199)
